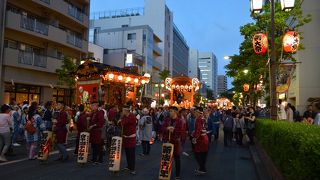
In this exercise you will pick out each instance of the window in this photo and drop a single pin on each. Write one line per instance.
(125, 25)
(132, 36)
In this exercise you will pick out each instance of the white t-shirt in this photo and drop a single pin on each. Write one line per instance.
(5, 123)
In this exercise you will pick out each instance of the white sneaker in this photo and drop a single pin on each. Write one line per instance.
(184, 153)
(16, 144)
(2, 158)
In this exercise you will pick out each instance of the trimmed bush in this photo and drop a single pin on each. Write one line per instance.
(293, 147)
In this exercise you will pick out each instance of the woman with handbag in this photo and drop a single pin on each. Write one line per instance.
(33, 126)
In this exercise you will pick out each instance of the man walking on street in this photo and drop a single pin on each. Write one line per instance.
(173, 125)
(128, 123)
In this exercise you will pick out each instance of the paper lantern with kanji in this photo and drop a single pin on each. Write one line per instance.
(291, 41)
(260, 43)
(246, 87)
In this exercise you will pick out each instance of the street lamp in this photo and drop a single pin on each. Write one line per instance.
(245, 71)
(256, 7)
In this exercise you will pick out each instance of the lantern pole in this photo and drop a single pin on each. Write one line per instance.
(273, 67)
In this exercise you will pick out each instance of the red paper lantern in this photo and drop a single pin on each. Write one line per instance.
(291, 41)
(260, 43)
(246, 87)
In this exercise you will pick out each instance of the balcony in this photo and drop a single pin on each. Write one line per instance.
(30, 60)
(156, 64)
(39, 29)
(157, 50)
(66, 9)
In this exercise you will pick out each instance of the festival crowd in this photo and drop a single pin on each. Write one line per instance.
(139, 127)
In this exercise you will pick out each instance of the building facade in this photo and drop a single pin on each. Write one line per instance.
(222, 84)
(193, 64)
(179, 63)
(305, 82)
(38, 35)
(207, 62)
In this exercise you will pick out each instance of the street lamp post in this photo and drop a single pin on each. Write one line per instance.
(256, 8)
(159, 86)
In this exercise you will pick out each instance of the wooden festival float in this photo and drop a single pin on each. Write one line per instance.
(182, 90)
(103, 83)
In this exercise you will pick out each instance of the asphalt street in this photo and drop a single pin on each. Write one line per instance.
(224, 163)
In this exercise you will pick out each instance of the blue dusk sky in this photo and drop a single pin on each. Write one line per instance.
(207, 25)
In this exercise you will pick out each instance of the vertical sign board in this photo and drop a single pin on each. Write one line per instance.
(45, 145)
(115, 153)
(83, 147)
(166, 161)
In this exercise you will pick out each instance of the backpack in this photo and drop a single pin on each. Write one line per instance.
(29, 127)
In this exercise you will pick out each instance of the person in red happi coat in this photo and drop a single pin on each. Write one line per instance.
(174, 125)
(200, 141)
(129, 123)
(82, 125)
(60, 128)
(95, 128)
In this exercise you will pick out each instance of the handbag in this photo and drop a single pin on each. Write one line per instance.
(29, 127)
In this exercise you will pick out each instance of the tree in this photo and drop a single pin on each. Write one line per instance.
(65, 74)
(257, 65)
(164, 74)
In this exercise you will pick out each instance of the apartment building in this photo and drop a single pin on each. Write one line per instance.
(38, 35)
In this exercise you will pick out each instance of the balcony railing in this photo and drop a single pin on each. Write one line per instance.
(34, 25)
(74, 40)
(46, 1)
(75, 12)
(31, 58)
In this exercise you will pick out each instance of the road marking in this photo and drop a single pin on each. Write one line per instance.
(24, 159)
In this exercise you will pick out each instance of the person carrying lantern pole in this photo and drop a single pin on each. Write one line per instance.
(172, 131)
(200, 141)
(128, 122)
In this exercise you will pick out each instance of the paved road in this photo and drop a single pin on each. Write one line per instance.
(232, 163)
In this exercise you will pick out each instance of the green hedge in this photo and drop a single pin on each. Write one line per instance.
(293, 147)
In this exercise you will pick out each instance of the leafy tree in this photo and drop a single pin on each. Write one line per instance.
(164, 74)
(65, 73)
(257, 65)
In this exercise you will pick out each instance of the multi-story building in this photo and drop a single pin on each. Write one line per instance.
(193, 68)
(305, 84)
(131, 46)
(222, 84)
(38, 35)
(179, 63)
(159, 18)
(207, 62)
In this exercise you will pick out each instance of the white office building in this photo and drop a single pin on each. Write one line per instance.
(207, 62)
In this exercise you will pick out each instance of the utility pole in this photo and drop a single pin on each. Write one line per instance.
(3, 4)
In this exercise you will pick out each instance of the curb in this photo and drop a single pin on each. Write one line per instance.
(264, 166)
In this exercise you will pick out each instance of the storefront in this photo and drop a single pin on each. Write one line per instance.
(21, 93)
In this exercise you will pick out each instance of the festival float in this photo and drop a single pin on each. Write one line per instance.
(97, 82)
(182, 90)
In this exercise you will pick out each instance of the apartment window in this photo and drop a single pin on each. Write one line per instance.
(10, 44)
(125, 25)
(132, 36)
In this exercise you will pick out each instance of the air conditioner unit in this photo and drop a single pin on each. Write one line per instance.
(22, 47)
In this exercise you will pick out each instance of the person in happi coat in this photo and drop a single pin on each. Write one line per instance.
(173, 125)
(200, 141)
(82, 125)
(95, 128)
(128, 122)
(60, 129)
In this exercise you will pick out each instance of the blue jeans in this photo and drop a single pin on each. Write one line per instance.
(63, 151)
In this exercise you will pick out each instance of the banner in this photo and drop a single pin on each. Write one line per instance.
(45, 145)
(83, 150)
(166, 161)
(87, 91)
(115, 153)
